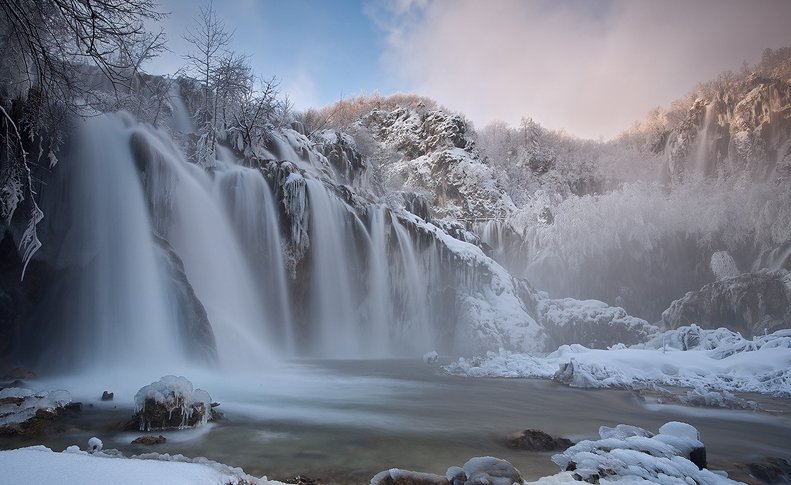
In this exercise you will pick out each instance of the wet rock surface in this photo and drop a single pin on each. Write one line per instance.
(774, 471)
(149, 440)
(537, 440)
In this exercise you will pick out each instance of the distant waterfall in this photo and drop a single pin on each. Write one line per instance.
(701, 160)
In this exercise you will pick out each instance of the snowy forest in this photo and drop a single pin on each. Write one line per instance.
(377, 285)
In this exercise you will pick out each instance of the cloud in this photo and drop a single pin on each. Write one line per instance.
(301, 89)
(590, 67)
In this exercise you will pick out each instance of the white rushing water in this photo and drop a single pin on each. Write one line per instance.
(137, 209)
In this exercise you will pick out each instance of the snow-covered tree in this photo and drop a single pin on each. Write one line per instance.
(52, 50)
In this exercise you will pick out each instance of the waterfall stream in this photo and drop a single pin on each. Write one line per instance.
(167, 252)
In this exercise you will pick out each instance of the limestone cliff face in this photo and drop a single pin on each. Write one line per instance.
(743, 128)
(751, 303)
(432, 155)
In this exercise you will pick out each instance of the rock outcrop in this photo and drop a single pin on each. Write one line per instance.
(744, 127)
(591, 323)
(751, 303)
(537, 440)
(433, 155)
(194, 327)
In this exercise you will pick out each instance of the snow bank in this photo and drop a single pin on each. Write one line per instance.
(705, 360)
(40, 465)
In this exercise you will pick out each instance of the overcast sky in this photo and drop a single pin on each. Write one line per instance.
(591, 67)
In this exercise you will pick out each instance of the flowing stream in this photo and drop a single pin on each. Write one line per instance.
(343, 421)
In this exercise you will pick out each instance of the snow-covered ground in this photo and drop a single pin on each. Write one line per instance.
(40, 465)
(708, 361)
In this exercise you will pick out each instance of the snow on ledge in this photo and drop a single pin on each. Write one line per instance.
(710, 360)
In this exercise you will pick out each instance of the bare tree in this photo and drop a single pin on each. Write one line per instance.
(46, 45)
(210, 39)
(256, 112)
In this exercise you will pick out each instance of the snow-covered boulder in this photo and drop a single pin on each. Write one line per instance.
(591, 323)
(488, 470)
(27, 412)
(170, 403)
(482, 470)
(750, 303)
(430, 357)
(633, 455)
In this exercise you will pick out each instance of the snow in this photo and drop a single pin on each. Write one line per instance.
(95, 444)
(40, 465)
(493, 313)
(704, 360)
(12, 413)
(491, 471)
(633, 455)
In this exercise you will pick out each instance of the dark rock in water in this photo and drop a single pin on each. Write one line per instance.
(20, 373)
(772, 471)
(537, 440)
(194, 326)
(71, 409)
(750, 303)
(698, 457)
(301, 480)
(107, 396)
(394, 476)
(149, 440)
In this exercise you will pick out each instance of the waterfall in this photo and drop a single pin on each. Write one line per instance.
(194, 219)
(129, 191)
(180, 120)
(333, 317)
(701, 162)
(177, 263)
(118, 309)
(380, 304)
(415, 332)
(253, 217)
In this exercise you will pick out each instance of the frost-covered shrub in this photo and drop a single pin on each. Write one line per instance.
(722, 265)
(647, 245)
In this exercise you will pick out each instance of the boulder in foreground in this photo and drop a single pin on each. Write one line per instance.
(170, 403)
